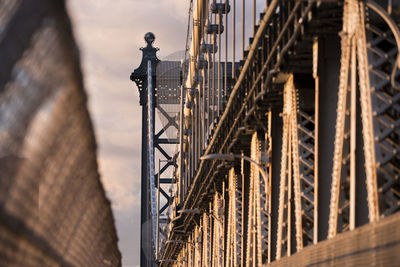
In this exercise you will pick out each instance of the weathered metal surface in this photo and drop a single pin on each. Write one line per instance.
(283, 105)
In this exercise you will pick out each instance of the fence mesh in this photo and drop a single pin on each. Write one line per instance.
(53, 209)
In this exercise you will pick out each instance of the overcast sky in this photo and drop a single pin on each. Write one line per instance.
(109, 34)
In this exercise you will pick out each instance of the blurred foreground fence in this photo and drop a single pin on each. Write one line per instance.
(53, 209)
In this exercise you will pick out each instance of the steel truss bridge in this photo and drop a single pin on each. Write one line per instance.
(288, 148)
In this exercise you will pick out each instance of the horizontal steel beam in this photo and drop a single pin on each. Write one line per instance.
(167, 141)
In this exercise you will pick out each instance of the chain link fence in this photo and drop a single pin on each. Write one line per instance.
(53, 209)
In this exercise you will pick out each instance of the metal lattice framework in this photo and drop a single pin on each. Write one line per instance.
(290, 176)
(206, 240)
(385, 96)
(307, 124)
(257, 249)
(323, 126)
(234, 222)
(218, 231)
(353, 46)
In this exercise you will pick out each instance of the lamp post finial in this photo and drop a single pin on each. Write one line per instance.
(149, 38)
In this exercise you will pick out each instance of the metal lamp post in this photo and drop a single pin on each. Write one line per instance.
(144, 77)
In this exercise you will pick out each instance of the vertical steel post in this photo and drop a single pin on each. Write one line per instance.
(233, 39)
(158, 210)
(143, 77)
(353, 96)
(243, 25)
(226, 55)
(144, 211)
(219, 64)
(316, 140)
(254, 17)
(150, 114)
(181, 169)
(213, 74)
(269, 183)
